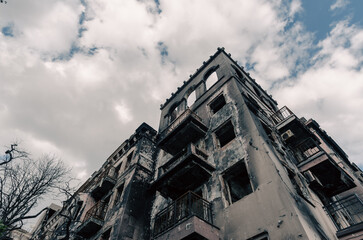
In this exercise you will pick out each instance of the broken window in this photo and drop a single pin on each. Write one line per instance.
(217, 103)
(225, 134)
(237, 182)
(128, 161)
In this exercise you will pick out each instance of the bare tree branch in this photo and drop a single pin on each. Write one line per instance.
(23, 183)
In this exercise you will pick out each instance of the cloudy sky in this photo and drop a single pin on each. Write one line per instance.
(78, 77)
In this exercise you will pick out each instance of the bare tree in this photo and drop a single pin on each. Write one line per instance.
(65, 218)
(23, 182)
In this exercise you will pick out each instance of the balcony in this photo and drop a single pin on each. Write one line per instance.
(188, 217)
(185, 129)
(292, 129)
(326, 177)
(187, 170)
(347, 215)
(104, 183)
(307, 151)
(93, 220)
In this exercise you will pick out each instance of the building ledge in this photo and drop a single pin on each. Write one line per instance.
(352, 230)
(90, 227)
(192, 228)
(186, 171)
(187, 128)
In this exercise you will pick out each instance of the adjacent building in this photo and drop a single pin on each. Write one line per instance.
(226, 163)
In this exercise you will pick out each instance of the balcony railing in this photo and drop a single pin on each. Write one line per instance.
(98, 211)
(173, 125)
(174, 161)
(346, 212)
(307, 149)
(281, 115)
(188, 205)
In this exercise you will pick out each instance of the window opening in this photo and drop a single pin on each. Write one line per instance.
(117, 170)
(268, 132)
(173, 115)
(238, 72)
(211, 80)
(252, 104)
(106, 235)
(225, 134)
(191, 99)
(120, 189)
(217, 103)
(128, 161)
(257, 91)
(237, 182)
(78, 209)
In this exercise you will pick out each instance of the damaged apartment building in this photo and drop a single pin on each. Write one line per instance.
(226, 163)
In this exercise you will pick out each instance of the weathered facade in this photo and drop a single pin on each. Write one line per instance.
(226, 163)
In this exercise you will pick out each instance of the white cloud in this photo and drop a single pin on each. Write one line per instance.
(123, 113)
(339, 4)
(331, 90)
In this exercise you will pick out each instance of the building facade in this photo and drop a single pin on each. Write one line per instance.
(226, 163)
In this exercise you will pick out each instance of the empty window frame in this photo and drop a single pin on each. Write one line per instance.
(128, 160)
(217, 103)
(237, 182)
(117, 170)
(210, 77)
(106, 235)
(77, 209)
(119, 191)
(225, 133)
(191, 99)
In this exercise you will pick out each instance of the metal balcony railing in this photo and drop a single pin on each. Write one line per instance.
(174, 124)
(281, 115)
(307, 149)
(189, 204)
(346, 212)
(175, 160)
(98, 211)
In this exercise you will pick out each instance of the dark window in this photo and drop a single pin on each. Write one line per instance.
(78, 209)
(106, 235)
(217, 103)
(128, 161)
(225, 134)
(238, 182)
(238, 72)
(252, 104)
(120, 189)
(117, 170)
